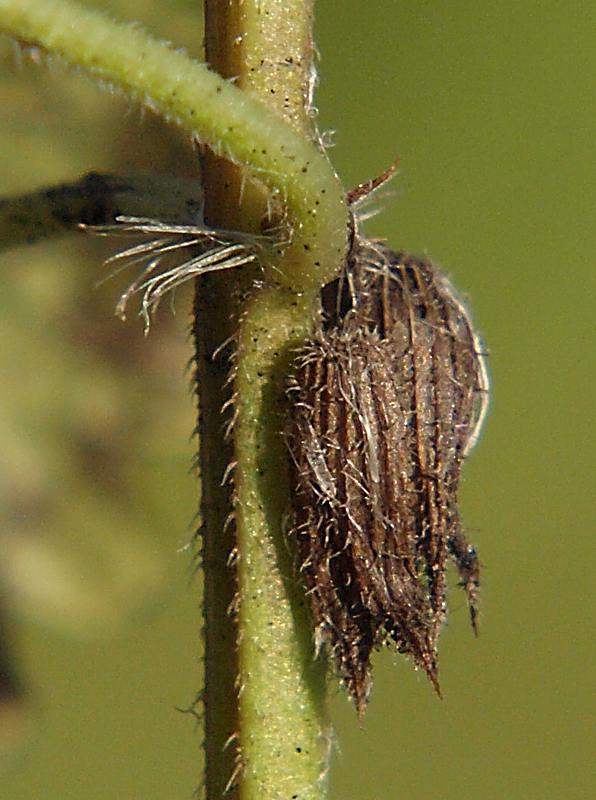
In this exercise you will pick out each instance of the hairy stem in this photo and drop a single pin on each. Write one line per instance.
(280, 725)
(262, 125)
(285, 745)
(234, 124)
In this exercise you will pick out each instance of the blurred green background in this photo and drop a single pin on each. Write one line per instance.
(490, 108)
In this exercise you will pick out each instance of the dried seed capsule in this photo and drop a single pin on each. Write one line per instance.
(386, 400)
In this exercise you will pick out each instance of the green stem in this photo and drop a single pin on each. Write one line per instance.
(280, 723)
(284, 732)
(231, 122)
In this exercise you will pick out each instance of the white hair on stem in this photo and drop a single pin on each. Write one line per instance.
(217, 250)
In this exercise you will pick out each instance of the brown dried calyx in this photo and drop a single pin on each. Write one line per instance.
(386, 400)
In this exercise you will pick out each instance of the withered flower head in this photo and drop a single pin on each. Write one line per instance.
(386, 400)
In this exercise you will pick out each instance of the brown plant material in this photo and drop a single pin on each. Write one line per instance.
(386, 400)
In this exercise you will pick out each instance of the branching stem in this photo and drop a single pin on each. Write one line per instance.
(263, 125)
(233, 124)
(282, 732)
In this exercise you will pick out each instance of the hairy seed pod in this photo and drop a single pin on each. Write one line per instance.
(386, 400)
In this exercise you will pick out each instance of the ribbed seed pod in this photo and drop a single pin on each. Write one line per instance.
(386, 400)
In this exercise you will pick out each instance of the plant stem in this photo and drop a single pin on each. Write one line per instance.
(280, 723)
(281, 729)
(285, 736)
(211, 109)
(216, 535)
